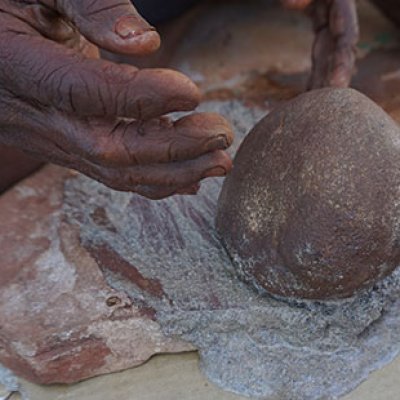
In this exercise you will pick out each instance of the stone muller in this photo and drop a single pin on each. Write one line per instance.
(312, 208)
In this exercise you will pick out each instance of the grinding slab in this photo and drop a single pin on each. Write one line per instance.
(249, 343)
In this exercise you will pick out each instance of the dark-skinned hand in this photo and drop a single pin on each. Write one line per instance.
(336, 34)
(60, 103)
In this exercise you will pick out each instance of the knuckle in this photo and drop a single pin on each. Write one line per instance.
(100, 151)
(97, 8)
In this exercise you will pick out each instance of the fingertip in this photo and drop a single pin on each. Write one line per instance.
(296, 4)
(221, 128)
(225, 161)
(222, 165)
(189, 94)
(137, 36)
(211, 125)
(144, 43)
(164, 91)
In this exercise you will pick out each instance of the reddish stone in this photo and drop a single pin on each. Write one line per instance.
(59, 320)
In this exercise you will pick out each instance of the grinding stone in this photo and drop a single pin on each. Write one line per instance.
(249, 343)
(311, 209)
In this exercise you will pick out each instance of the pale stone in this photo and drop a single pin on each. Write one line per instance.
(166, 256)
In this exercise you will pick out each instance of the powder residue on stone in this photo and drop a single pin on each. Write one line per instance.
(249, 343)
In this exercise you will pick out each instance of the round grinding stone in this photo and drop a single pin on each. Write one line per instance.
(312, 207)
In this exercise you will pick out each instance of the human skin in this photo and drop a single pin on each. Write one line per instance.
(61, 104)
(15, 165)
(69, 104)
(335, 24)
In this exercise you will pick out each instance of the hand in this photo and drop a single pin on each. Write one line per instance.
(336, 29)
(61, 104)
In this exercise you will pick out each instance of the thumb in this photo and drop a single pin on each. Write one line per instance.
(113, 25)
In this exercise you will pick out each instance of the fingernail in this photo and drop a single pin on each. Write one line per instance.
(216, 171)
(129, 26)
(218, 143)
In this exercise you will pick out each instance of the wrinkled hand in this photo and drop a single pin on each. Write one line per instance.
(61, 104)
(336, 35)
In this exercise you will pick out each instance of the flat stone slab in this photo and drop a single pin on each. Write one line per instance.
(59, 319)
(97, 280)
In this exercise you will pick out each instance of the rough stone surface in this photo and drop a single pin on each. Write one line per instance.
(312, 208)
(228, 70)
(59, 320)
(249, 343)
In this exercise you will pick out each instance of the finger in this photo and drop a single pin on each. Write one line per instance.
(342, 69)
(343, 22)
(296, 4)
(161, 192)
(113, 25)
(178, 175)
(191, 190)
(336, 27)
(64, 79)
(56, 155)
(323, 45)
(128, 143)
(323, 48)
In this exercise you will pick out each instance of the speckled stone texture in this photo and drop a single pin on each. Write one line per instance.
(248, 343)
(59, 319)
(165, 259)
(312, 207)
